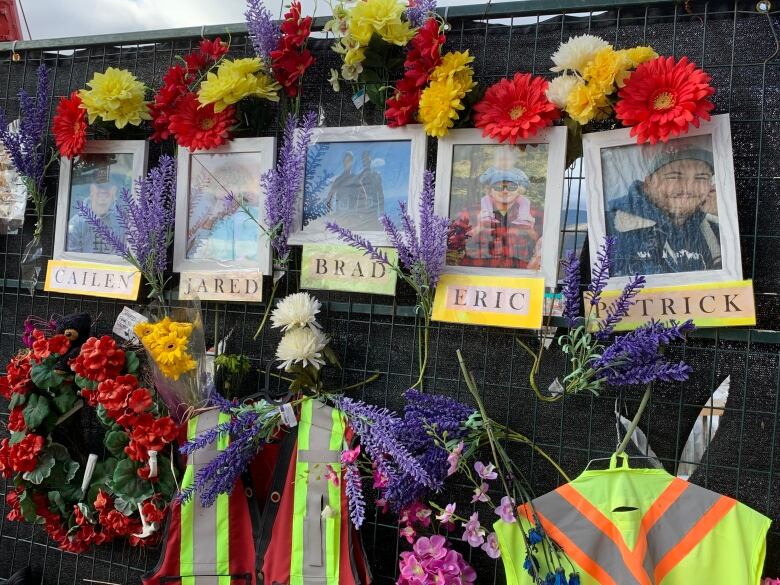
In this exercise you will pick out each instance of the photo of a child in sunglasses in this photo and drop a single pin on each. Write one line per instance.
(497, 206)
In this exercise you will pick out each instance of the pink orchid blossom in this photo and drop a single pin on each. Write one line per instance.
(485, 471)
(350, 455)
(491, 546)
(431, 562)
(507, 509)
(480, 494)
(454, 458)
(473, 533)
(446, 515)
(408, 533)
(332, 476)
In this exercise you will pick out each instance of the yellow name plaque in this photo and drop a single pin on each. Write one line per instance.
(93, 279)
(489, 300)
(341, 267)
(715, 304)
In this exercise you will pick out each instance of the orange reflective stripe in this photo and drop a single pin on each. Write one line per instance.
(654, 513)
(587, 564)
(701, 529)
(633, 563)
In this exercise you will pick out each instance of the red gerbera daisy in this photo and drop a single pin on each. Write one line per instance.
(200, 128)
(662, 97)
(514, 109)
(70, 126)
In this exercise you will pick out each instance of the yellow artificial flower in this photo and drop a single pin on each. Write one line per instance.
(439, 105)
(115, 96)
(608, 70)
(171, 355)
(382, 17)
(236, 80)
(639, 55)
(354, 56)
(455, 66)
(587, 102)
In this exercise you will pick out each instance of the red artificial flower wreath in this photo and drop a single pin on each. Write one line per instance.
(106, 377)
(662, 97)
(515, 109)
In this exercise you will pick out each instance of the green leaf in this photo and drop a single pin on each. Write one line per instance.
(55, 497)
(44, 376)
(36, 411)
(128, 485)
(17, 400)
(103, 416)
(17, 436)
(82, 382)
(46, 463)
(27, 507)
(89, 513)
(131, 362)
(165, 484)
(115, 442)
(64, 401)
(124, 506)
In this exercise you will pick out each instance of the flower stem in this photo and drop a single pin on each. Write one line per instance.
(635, 423)
(268, 307)
(423, 336)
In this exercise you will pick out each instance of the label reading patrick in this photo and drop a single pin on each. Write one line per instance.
(93, 279)
(716, 304)
(340, 267)
(221, 286)
(489, 300)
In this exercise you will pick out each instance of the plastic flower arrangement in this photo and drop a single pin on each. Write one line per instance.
(147, 220)
(176, 110)
(281, 186)
(372, 34)
(443, 99)
(432, 562)
(80, 500)
(592, 72)
(422, 253)
(281, 48)
(662, 98)
(167, 342)
(115, 96)
(515, 109)
(24, 144)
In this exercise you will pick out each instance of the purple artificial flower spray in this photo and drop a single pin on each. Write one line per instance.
(262, 29)
(419, 11)
(146, 220)
(422, 248)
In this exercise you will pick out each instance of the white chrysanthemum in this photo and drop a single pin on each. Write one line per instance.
(559, 89)
(577, 52)
(303, 345)
(296, 310)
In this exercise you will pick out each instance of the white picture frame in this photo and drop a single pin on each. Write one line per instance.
(400, 153)
(203, 181)
(459, 142)
(613, 158)
(74, 239)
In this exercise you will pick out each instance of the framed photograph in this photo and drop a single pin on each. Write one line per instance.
(672, 207)
(213, 234)
(504, 202)
(356, 174)
(95, 178)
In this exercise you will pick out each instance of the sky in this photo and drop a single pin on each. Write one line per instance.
(66, 18)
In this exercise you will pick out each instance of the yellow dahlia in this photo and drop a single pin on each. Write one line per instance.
(639, 55)
(587, 102)
(439, 106)
(456, 66)
(608, 68)
(235, 80)
(115, 96)
(382, 17)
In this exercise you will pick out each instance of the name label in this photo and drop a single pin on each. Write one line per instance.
(93, 279)
(241, 286)
(340, 267)
(488, 300)
(717, 304)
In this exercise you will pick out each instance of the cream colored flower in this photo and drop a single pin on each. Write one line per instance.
(304, 346)
(334, 80)
(295, 311)
(577, 52)
(559, 89)
(351, 72)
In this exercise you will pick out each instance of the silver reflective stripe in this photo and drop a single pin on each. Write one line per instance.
(204, 522)
(693, 503)
(314, 566)
(585, 535)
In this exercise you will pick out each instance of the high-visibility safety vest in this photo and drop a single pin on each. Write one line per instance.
(207, 546)
(626, 526)
(306, 536)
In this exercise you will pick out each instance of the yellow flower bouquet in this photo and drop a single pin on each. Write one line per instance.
(115, 96)
(176, 349)
(371, 37)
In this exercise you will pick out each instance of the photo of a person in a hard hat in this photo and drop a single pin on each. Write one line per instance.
(504, 235)
(665, 223)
